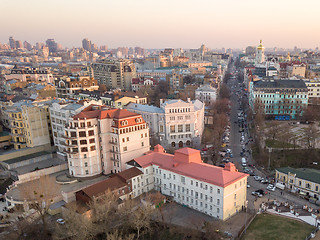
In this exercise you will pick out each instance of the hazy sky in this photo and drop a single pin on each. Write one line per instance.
(163, 23)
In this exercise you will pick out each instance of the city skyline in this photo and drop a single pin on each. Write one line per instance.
(185, 24)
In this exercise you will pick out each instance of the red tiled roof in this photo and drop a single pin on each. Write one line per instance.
(204, 172)
(100, 113)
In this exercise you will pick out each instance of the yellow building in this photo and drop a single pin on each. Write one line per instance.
(121, 102)
(304, 181)
(29, 125)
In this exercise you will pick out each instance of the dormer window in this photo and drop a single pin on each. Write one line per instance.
(138, 120)
(124, 123)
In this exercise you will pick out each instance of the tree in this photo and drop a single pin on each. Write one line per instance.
(224, 91)
(274, 129)
(39, 195)
(310, 136)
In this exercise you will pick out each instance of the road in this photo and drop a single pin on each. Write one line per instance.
(235, 146)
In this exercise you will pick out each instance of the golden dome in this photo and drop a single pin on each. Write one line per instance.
(260, 45)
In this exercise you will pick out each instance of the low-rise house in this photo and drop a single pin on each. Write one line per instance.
(305, 181)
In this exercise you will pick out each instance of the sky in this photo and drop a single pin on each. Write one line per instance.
(164, 23)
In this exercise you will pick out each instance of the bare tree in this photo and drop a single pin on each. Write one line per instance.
(310, 136)
(40, 194)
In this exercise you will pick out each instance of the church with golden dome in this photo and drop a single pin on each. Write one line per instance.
(260, 58)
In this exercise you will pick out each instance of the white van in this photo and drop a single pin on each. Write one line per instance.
(243, 162)
(280, 185)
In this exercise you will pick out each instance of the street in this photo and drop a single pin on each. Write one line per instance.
(235, 146)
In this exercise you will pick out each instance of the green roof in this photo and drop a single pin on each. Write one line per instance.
(309, 174)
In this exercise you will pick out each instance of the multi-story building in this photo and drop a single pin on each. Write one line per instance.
(175, 123)
(67, 87)
(29, 124)
(279, 98)
(215, 191)
(60, 115)
(313, 88)
(101, 140)
(30, 75)
(206, 94)
(175, 80)
(292, 68)
(114, 73)
(304, 181)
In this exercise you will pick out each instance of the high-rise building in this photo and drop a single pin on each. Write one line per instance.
(27, 45)
(52, 45)
(101, 140)
(86, 44)
(19, 44)
(12, 43)
(114, 73)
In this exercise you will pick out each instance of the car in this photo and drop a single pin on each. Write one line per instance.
(271, 187)
(221, 165)
(248, 186)
(257, 178)
(256, 194)
(262, 192)
(6, 147)
(264, 181)
(60, 221)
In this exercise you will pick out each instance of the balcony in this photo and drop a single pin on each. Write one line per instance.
(112, 142)
(114, 151)
(68, 137)
(70, 152)
(114, 159)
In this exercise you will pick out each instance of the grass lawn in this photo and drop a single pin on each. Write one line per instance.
(278, 144)
(267, 226)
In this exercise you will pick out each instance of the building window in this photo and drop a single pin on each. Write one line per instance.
(87, 172)
(187, 127)
(180, 128)
(125, 149)
(218, 191)
(142, 144)
(86, 164)
(172, 129)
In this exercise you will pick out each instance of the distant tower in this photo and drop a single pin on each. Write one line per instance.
(260, 53)
(288, 57)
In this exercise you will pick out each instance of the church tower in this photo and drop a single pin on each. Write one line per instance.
(260, 53)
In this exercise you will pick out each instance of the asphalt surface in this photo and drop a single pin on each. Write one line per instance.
(235, 146)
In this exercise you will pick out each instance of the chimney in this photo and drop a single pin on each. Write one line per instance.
(158, 148)
(188, 100)
(161, 101)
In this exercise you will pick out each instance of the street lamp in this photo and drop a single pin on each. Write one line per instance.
(270, 150)
(245, 223)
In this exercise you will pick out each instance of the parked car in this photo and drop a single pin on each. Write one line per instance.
(264, 181)
(271, 187)
(257, 178)
(262, 192)
(60, 221)
(256, 194)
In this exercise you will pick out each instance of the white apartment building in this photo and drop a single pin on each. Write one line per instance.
(215, 191)
(60, 115)
(176, 123)
(206, 94)
(101, 140)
